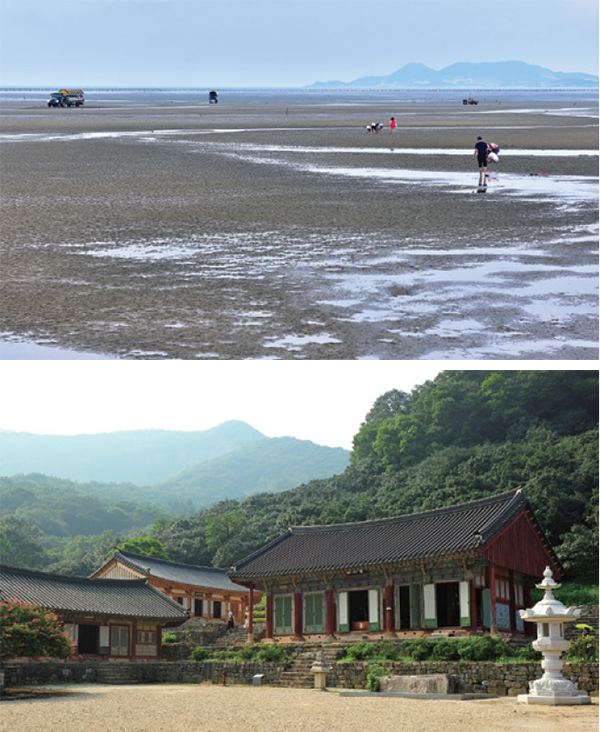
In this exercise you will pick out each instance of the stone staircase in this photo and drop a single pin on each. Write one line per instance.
(116, 673)
(237, 637)
(298, 673)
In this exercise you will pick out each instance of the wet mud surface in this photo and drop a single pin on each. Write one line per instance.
(285, 231)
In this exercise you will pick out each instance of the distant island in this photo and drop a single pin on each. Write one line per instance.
(486, 75)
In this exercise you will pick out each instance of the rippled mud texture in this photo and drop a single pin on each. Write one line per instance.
(268, 229)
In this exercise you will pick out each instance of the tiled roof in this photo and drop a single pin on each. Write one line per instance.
(187, 574)
(453, 529)
(121, 598)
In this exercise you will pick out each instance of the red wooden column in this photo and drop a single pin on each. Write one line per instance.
(473, 627)
(297, 615)
(269, 631)
(330, 611)
(491, 578)
(133, 639)
(251, 613)
(388, 591)
(158, 642)
(530, 628)
(513, 604)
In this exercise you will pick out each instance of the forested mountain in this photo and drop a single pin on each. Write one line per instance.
(462, 436)
(141, 457)
(64, 509)
(272, 464)
(266, 464)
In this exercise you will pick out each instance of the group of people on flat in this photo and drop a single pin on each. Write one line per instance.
(376, 127)
(484, 152)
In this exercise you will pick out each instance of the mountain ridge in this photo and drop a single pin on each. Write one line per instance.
(461, 75)
(171, 468)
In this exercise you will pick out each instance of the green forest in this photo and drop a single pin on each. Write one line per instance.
(462, 436)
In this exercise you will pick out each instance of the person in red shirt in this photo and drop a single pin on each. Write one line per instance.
(392, 124)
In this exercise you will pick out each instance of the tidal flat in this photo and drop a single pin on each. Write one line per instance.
(272, 225)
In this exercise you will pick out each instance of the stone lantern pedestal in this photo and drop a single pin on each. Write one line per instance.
(320, 669)
(551, 615)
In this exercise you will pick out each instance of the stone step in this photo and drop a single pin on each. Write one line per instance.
(113, 674)
(301, 683)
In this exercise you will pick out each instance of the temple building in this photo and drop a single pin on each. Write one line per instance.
(112, 620)
(457, 570)
(206, 592)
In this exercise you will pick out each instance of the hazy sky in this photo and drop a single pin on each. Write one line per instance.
(322, 401)
(256, 43)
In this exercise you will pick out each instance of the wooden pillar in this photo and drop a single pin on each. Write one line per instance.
(159, 642)
(491, 572)
(388, 594)
(297, 615)
(473, 627)
(330, 612)
(251, 613)
(132, 652)
(269, 611)
(512, 604)
(530, 628)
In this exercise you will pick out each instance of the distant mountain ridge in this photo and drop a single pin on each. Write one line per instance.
(487, 75)
(142, 457)
(168, 469)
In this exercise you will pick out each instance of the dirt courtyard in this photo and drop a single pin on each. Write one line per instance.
(159, 708)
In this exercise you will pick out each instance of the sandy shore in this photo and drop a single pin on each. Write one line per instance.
(262, 229)
(249, 709)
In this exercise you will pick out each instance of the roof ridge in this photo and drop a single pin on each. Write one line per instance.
(127, 555)
(9, 569)
(453, 508)
(518, 501)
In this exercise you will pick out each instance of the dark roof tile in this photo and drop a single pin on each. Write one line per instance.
(187, 574)
(122, 598)
(447, 530)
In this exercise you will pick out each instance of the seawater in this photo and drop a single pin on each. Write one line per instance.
(317, 97)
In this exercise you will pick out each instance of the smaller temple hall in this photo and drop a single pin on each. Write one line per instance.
(456, 570)
(205, 592)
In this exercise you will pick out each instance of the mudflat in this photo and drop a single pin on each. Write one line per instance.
(159, 708)
(274, 226)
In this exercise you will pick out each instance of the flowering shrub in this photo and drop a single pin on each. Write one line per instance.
(29, 631)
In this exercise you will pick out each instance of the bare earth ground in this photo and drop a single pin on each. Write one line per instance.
(250, 709)
(267, 228)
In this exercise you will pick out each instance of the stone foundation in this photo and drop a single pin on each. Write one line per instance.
(507, 679)
(503, 679)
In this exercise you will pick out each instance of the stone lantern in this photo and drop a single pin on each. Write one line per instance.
(550, 615)
(320, 669)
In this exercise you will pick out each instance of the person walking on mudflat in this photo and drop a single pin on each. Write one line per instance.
(481, 150)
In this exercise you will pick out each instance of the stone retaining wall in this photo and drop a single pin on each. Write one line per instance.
(508, 679)
(29, 673)
(504, 679)
(178, 651)
(32, 673)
